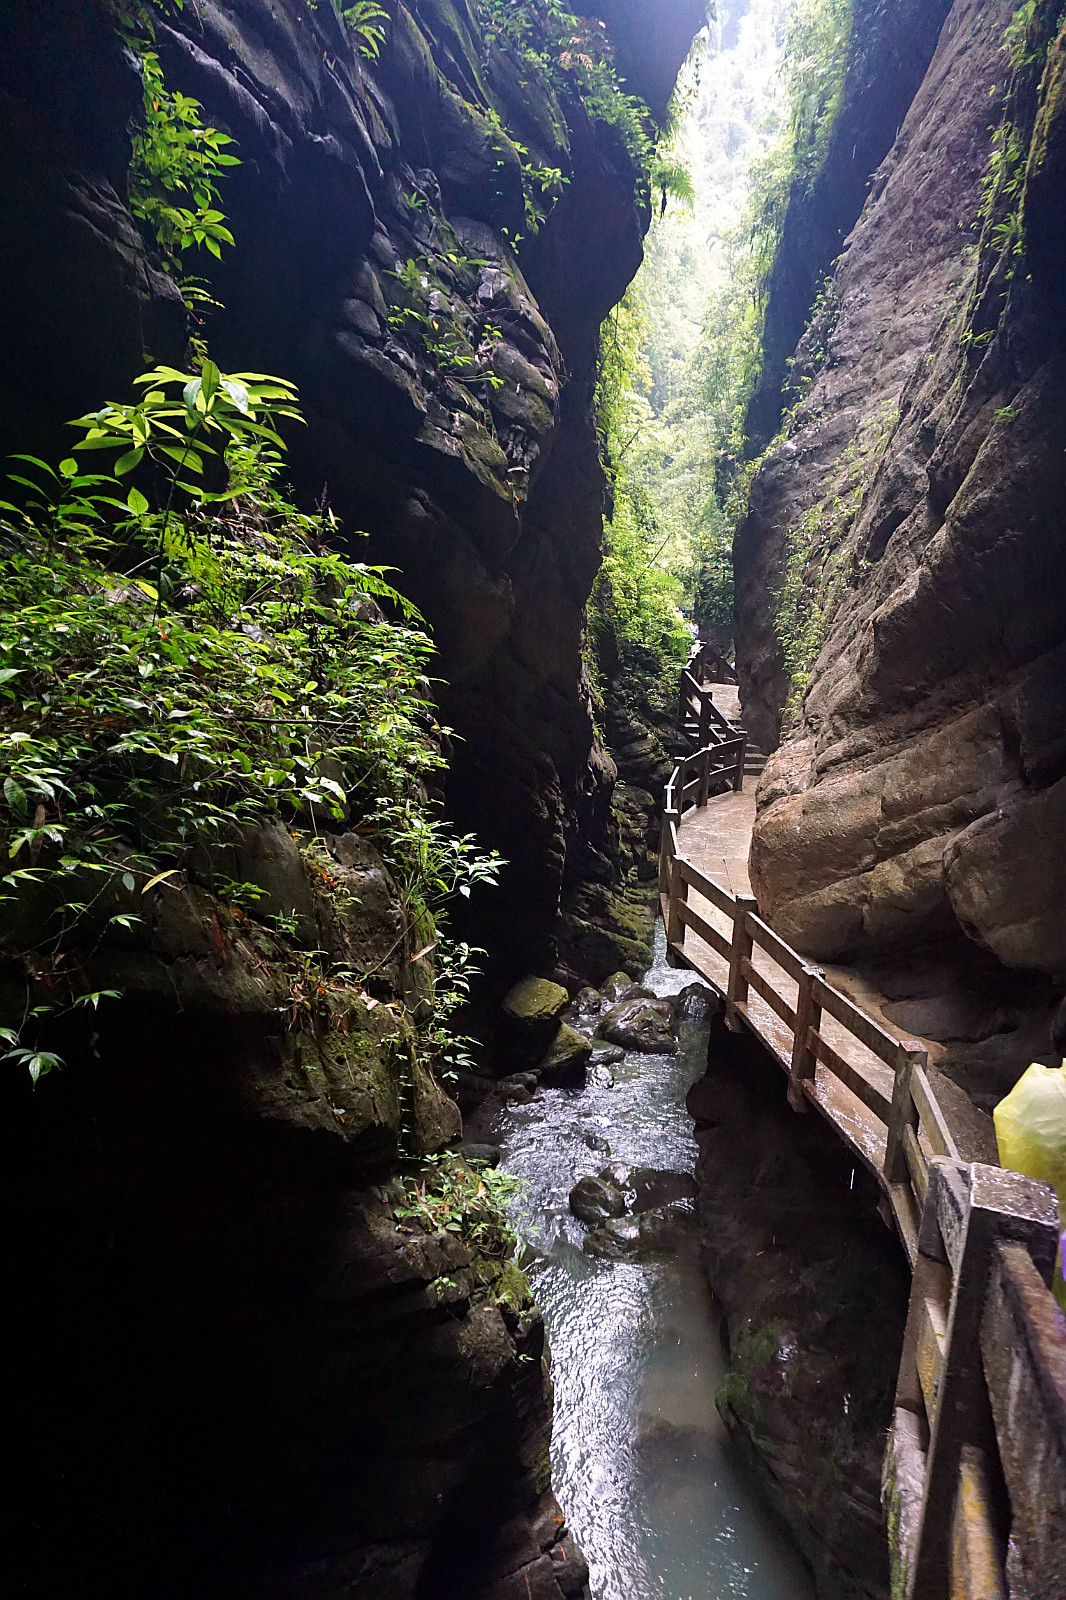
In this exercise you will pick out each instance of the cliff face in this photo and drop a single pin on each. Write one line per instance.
(245, 1368)
(488, 499)
(890, 50)
(918, 498)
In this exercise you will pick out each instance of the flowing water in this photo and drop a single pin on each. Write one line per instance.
(643, 1467)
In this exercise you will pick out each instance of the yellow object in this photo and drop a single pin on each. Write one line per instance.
(1031, 1135)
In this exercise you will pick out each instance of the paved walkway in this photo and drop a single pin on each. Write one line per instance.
(717, 840)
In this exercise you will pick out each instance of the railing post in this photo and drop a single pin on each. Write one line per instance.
(968, 1210)
(740, 951)
(804, 1061)
(678, 892)
(665, 849)
(738, 776)
(706, 703)
(903, 1113)
(705, 778)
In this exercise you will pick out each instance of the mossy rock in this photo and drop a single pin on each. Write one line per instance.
(535, 1001)
(567, 1058)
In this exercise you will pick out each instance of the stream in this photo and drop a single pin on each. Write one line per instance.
(642, 1464)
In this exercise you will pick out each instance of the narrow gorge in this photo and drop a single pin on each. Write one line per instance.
(533, 600)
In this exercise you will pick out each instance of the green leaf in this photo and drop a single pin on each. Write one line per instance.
(16, 797)
(69, 467)
(137, 502)
(127, 462)
(129, 882)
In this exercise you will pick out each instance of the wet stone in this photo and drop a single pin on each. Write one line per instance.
(567, 1057)
(620, 985)
(641, 1024)
(593, 1201)
(607, 1055)
(652, 1187)
(696, 1003)
(664, 1228)
(535, 1001)
(489, 1155)
(596, 1141)
(614, 1240)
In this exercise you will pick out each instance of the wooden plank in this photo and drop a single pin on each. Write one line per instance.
(916, 1163)
(763, 986)
(1023, 1354)
(976, 1562)
(776, 948)
(861, 1087)
(905, 1210)
(934, 1126)
(929, 1350)
(710, 935)
(720, 898)
(865, 1029)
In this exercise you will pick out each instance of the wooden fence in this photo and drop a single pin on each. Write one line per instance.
(876, 1092)
(975, 1470)
(703, 724)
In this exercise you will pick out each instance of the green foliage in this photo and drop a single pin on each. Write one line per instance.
(366, 21)
(573, 55)
(440, 327)
(638, 590)
(180, 661)
(174, 168)
(458, 1197)
(1021, 37)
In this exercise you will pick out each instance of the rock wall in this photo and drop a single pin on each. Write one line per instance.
(890, 49)
(243, 1370)
(813, 1291)
(488, 499)
(914, 811)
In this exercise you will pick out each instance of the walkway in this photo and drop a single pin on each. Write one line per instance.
(717, 839)
(980, 1403)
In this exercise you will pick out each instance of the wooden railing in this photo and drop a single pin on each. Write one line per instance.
(837, 1058)
(701, 721)
(976, 1467)
(708, 664)
(975, 1470)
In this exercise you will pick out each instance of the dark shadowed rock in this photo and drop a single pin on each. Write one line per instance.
(614, 1240)
(594, 1200)
(653, 1188)
(696, 1003)
(567, 1057)
(641, 1024)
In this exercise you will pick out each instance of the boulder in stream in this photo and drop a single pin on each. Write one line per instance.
(596, 1200)
(567, 1057)
(585, 1008)
(614, 1240)
(535, 1003)
(620, 986)
(696, 1003)
(652, 1187)
(641, 1023)
(607, 1055)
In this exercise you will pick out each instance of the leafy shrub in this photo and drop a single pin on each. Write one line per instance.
(180, 661)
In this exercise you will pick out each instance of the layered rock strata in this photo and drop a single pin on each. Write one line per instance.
(813, 1291)
(916, 804)
(246, 1367)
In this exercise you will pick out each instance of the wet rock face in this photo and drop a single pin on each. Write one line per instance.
(488, 499)
(918, 798)
(640, 1024)
(247, 1369)
(814, 1294)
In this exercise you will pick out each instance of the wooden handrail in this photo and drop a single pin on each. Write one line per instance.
(983, 1327)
